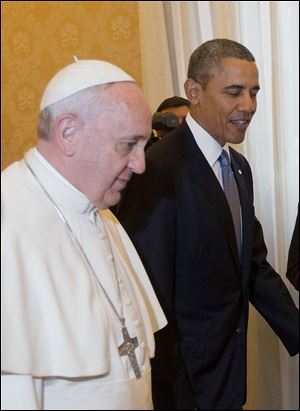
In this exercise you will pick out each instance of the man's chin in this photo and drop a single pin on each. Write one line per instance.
(238, 139)
(108, 201)
(113, 199)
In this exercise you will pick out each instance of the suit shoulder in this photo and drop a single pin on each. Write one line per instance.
(240, 159)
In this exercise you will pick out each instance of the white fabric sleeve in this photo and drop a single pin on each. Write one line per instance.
(21, 392)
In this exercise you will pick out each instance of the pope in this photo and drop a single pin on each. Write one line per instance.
(78, 310)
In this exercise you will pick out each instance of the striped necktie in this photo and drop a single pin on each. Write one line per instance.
(232, 195)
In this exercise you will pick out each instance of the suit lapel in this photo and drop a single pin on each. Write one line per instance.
(200, 170)
(246, 205)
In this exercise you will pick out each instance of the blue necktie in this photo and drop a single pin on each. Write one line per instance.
(232, 195)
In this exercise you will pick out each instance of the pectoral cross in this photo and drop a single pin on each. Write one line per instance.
(127, 348)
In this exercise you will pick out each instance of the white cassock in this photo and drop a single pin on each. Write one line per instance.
(60, 335)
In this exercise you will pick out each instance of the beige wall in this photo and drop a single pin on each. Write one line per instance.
(39, 38)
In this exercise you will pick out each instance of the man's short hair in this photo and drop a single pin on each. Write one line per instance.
(173, 102)
(207, 58)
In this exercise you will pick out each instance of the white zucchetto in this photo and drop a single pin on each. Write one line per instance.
(79, 76)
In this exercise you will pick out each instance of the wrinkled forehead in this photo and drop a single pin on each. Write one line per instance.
(122, 111)
(125, 95)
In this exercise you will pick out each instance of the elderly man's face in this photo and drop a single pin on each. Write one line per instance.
(113, 148)
(227, 104)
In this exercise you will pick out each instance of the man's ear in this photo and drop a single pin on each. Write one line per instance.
(192, 90)
(67, 127)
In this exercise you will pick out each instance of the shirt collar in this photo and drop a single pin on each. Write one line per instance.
(210, 148)
(62, 192)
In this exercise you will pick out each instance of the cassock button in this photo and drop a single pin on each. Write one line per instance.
(137, 323)
(110, 257)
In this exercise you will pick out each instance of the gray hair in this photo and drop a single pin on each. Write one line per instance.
(207, 58)
(84, 103)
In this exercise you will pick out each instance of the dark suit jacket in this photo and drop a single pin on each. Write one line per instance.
(179, 220)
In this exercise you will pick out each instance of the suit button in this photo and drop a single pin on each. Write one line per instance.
(240, 330)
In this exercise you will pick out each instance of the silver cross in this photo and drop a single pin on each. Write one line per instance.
(127, 348)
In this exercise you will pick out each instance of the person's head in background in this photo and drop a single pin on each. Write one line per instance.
(222, 86)
(178, 105)
(94, 132)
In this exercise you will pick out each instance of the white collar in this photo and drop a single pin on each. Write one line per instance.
(210, 148)
(63, 193)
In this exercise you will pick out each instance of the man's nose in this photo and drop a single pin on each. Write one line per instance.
(247, 103)
(137, 163)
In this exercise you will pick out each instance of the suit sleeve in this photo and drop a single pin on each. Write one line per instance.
(268, 293)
